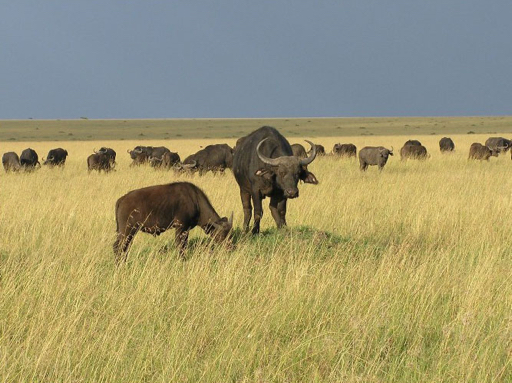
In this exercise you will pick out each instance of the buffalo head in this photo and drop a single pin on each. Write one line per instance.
(286, 171)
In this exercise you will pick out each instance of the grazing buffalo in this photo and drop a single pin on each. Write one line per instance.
(498, 144)
(415, 152)
(56, 157)
(99, 161)
(374, 155)
(320, 150)
(264, 166)
(29, 159)
(446, 145)
(139, 155)
(299, 151)
(110, 153)
(155, 209)
(481, 152)
(344, 150)
(165, 160)
(412, 142)
(11, 162)
(215, 158)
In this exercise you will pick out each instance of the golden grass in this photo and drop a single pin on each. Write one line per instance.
(399, 276)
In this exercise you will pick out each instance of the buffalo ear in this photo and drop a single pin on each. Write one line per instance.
(264, 173)
(308, 177)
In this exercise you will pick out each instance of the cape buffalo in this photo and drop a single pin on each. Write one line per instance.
(320, 150)
(164, 160)
(110, 153)
(374, 155)
(29, 159)
(140, 155)
(99, 161)
(344, 150)
(155, 209)
(215, 158)
(11, 162)
(264, 166)
(417, 152)
(481, 152)
(299, 151)
(446, 145)
(56, 157)
(498, 144)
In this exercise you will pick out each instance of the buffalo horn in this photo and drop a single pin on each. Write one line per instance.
(94, 151)
(189, 166)
(307, 161)
(264, 159)
(128, 151)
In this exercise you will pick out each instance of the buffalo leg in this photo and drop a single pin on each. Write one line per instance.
(278, 210)
(122, 244)
(258, 212)
(246, 203)
(363, 166)
(181, 241)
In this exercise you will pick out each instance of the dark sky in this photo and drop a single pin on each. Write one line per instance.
(172, 59)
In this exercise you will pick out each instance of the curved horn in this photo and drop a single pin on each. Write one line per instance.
(128, 151)
(307, 161)
(94, 151)
(264, 159)
(189, 166)
(391, 151)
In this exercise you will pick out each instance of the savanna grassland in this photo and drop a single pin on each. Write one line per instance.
(398, 276)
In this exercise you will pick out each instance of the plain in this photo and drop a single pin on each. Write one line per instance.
(397, 276)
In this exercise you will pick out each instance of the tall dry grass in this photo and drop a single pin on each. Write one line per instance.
(399, 276)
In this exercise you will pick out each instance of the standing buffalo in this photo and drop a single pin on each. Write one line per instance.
(155, 209)
(320, 150)
(215, 158)
(165, 160)
(264, 166)
(446, 145)
(29, 159)
(99, 161)
(140, 155)
(478, 151)
(110, 153)
(56, 157)
(374, 155)
(11, 162)
(417, 152)
(299, 151)
(498, 144)
(344, 150)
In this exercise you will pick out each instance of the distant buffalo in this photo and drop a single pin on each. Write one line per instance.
(320, 150)
(446, 145)
(299, 151)
(412, 142)
(415, 152)
(99, 161)
(165, 160)
(374, 155)
(11, 162)
(498, 144)
(344, 150)
(155, 209)
(56, 157)
(29, 159)
(140, 155)
(214, 158)
(481, 152)
(110, 153)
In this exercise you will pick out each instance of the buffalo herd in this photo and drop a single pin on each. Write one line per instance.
(263, 163)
